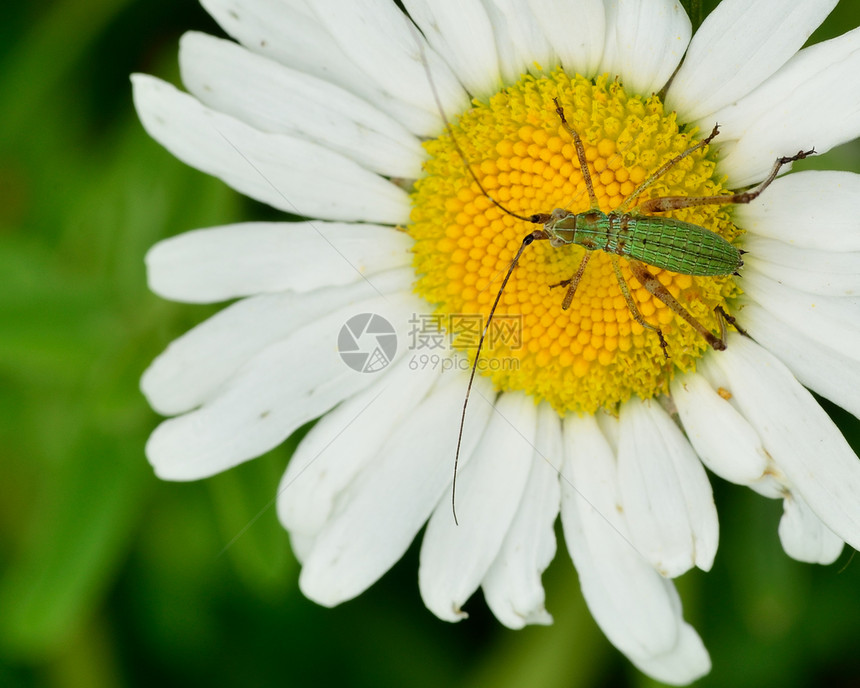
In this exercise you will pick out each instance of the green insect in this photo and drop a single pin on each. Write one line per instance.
(628, 232)
(643, 240)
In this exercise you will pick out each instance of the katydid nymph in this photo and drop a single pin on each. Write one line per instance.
(630, 231)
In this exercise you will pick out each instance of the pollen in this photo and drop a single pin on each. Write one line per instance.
(592, 355)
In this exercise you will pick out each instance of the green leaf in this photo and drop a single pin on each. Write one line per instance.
(80, 534)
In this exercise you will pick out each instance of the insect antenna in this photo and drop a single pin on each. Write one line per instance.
(529, 239)
(537, 218)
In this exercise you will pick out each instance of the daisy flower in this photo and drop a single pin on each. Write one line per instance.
(324, 110)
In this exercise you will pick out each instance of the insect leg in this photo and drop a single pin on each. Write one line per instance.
(631, 304)
(659, 205)
(724, 318)
(580, 153)
(731, 320)
(629, 202)
(647, 279)
(573, 282)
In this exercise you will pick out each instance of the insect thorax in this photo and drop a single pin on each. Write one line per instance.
(583, 229)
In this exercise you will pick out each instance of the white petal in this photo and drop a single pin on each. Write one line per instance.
(722, 437)
(220, 263)
(834, 321)
(576, 32)
(455, 558)
(645, 41)
(380, 512)
(294, 35)
(289, 33)
(804, 537)
(597, 536)
(197, 364)
(300, 545)
(737, 47)
(520, 42)
(685, 663)
(809, 209)
(664, 491)
(769, 487)
(288, 173)
(512, 587)
(817, 366)
(463, 35)
(344, 441)
(279, 100)
(379, 38)
(805, 105)
(801, 72)
(281, 388)
(634, 606)
(827, 272)
(804, 443)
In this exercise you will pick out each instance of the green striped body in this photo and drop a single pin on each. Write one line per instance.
(658, 241)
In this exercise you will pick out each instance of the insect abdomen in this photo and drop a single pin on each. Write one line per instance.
(677, 246)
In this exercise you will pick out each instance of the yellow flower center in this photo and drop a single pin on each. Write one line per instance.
(592, 355)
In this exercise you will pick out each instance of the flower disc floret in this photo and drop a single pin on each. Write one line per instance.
(592, 355)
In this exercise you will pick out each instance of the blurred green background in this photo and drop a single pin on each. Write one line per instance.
(109, 577)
